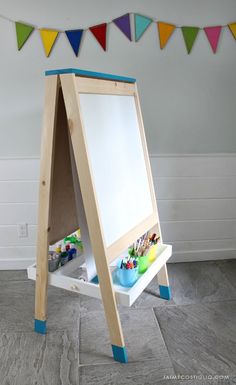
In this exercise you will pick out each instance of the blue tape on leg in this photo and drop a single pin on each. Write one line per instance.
(95, 279)
(165, 292)
(40, 326)
(119, 353)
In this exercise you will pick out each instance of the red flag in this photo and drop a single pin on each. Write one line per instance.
(99, 32)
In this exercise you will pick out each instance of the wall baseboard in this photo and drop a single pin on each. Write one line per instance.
(16, 263)
(202, 255)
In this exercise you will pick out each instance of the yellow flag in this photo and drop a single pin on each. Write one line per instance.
(232, 28)
(48, 37)
(165, 31)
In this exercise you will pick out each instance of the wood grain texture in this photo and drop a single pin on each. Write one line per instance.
(45, 194)
(101, 86)
(91, 209)
(63, 211)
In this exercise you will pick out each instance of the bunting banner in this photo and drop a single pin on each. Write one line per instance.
(23, 32)
(126, 24)
(213, 35)
(165, 31)
(141, 24)
(190, 35)
(100, 32)
(48, 37)
(74, 36)
(232, 28)
(123, 23)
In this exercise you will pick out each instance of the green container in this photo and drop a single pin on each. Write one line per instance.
(143, 264)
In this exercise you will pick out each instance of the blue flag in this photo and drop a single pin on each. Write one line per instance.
(74, 36)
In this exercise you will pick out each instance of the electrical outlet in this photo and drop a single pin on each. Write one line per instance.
(22, 230)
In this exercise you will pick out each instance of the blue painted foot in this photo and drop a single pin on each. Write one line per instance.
(119, 353)
(165, 292)
(40, 326)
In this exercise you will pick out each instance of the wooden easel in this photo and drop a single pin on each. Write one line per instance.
(67, 191)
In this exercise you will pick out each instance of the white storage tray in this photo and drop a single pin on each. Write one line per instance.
(125, 295)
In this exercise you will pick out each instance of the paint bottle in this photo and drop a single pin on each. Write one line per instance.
(64, 258)
(72, 252)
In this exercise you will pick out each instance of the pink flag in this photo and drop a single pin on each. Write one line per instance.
(213, 35)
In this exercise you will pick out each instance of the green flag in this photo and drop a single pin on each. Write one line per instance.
(189, 34)
(23, 31)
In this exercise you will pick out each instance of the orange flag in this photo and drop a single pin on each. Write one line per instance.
(232, 28)
(165, 31)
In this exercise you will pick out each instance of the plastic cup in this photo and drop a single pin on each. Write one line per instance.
(127, 277)
(143, 264)
(152, 254)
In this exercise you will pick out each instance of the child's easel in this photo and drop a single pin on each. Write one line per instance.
(67, 200)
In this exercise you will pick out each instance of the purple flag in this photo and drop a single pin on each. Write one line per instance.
(123, 23)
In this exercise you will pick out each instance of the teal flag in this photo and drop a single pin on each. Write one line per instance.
(141, 24)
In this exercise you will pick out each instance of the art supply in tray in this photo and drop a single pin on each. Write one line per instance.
(63, 252)
(145, 249)
(64, 258)
(53, 261)
(127, 272)
(74, 241)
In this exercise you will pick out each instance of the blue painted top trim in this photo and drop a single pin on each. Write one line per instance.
(89, 74)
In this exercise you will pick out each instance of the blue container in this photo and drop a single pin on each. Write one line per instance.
(72, 253)
(127, 277)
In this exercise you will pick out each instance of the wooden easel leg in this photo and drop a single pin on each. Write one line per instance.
(163, 281)
(81, 159)
(46, 170)
(111, 312)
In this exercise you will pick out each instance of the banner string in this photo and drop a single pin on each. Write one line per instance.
(109, 22)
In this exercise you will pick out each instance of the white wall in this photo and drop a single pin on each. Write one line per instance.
(187, 100)
(196, 199)
(187, 103)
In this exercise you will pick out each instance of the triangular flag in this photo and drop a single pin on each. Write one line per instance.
(165, 31)
(23, 31)
(123, 23)
(99, 32)
(232, 28)
(74, 36)
(189, 34)
(141, 24)
(213, 35)
(48, 37)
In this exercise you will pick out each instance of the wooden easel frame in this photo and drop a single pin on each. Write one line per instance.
(70, 85)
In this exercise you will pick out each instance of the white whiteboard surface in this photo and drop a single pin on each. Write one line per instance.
(117, 162)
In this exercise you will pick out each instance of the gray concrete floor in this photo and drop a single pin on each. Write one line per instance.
(194, 334)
